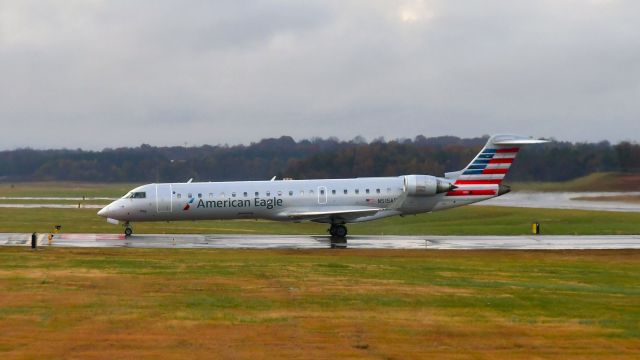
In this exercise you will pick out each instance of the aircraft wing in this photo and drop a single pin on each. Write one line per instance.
(331, 213)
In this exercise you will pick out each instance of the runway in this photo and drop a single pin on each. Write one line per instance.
(563, 200)
(427, 242)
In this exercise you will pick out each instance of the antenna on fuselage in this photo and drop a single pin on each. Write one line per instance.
(190, 180)
(273, 179)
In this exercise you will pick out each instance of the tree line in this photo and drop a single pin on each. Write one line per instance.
(313, 158)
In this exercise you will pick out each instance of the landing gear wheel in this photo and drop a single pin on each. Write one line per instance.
(128, 231)
(339, 231)
(332, 230)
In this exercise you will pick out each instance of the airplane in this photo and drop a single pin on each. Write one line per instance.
(336, 202)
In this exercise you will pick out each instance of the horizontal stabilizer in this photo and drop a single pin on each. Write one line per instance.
(453, 175)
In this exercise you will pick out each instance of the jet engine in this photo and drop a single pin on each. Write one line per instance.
(426, 185)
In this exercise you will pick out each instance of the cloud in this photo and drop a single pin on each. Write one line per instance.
(115, 73)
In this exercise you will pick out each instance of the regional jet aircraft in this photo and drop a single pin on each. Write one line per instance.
(332, 201)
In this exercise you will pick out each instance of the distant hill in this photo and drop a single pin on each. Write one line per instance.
(314, 158)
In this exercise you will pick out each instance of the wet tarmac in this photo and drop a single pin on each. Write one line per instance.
(563, 200)
(215, 241)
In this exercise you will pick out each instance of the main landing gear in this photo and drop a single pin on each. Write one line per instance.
(128, 230)
(339, 231)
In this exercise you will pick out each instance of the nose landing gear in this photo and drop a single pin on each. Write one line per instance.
(128, 230)
(339, 231)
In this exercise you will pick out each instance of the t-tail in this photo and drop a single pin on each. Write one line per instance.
(482, 178)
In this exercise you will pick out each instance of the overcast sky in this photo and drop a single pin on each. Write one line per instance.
(95, 74)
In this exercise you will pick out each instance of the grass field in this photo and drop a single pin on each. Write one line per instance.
(168, 303)
(469, 220)
(59, 303)
(65, 189)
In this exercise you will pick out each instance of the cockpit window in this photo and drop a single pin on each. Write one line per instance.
(135, 195)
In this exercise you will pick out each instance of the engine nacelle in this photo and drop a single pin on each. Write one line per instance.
(426, 185)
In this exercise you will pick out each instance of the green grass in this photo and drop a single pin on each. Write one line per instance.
(65, 189)
(391, 304)
(469, 220)
(55, 202)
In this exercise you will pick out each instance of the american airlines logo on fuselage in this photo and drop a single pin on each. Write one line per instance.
(237, 203)
(188, 205)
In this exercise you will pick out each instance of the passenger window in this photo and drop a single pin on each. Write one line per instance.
(179, 196)
(366, 190)
(333, 191)
(268, 193)
(257, 194)
(210, 195)
(310, 192)
(279, 192)
(233, 194)
(345, 191)
(222, 194)
(321, 192)
(190, 196)
(290, 193)
(199, 195)
(245, 194)
(357, 191)
(388, 190)
(378, 191)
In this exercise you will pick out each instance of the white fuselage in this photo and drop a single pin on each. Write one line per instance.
(325, 200)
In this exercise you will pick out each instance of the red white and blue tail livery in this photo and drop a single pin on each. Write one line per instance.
(332, 201)
(482, 178)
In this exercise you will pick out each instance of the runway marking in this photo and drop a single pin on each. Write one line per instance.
(426, 242)
(82, 237)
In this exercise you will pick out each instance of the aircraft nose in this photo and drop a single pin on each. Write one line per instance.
(104, 212)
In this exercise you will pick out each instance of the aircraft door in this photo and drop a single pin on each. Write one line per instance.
(322, 195)
(164, 197)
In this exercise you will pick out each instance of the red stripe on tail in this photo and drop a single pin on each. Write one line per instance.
(494, 171)
(471, 192)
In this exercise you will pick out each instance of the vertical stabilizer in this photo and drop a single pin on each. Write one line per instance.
(484, 174)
